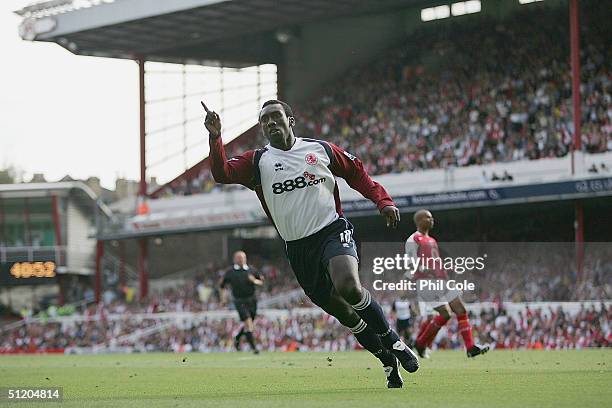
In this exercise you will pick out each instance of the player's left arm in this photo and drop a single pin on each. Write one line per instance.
(350, 168)
(237, 170)
(254, 280)
(258, 274)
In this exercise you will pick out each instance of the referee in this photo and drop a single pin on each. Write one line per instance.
(242, 280)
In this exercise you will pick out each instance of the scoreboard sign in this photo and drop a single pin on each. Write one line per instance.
(28, 273)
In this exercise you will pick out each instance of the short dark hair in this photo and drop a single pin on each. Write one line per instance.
(285, 105)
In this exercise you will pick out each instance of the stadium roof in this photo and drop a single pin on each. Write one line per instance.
(234, 32)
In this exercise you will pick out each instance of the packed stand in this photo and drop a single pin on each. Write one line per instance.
(490, 92)
(202, 292)
(545, 272)
(464, 94)
(534, 329)
(531, 329)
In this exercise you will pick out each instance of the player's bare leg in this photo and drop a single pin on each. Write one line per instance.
(365, 335)
(465, 328)
(343, 270)
(428, 332)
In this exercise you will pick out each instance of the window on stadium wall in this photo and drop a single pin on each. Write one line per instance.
(27, 222)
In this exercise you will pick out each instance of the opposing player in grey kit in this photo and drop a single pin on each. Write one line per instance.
(295, 181)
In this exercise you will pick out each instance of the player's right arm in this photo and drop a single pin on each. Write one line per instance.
(411, 247)
(223, 290)
(237, 170)
(412, 250)
(224, 296)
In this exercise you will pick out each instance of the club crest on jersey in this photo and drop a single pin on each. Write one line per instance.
(278, 166)
(311, 159)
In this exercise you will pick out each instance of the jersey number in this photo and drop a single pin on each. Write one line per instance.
(345, 236)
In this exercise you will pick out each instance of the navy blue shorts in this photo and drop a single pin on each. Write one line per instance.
(309, 257)
(403, 324)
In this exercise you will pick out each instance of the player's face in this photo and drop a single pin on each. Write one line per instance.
(427, 221)
(240, 258)
(274, 124)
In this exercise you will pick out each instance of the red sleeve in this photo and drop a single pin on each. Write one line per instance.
(237, 170)
(351, 169)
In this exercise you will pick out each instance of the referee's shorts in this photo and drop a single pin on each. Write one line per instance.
(246, 307)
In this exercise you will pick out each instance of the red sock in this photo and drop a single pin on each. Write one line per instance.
(427, 336)
(422, 329)
(466, 330)
(423, 326)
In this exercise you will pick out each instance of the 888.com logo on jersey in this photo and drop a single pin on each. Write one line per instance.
(306, 180)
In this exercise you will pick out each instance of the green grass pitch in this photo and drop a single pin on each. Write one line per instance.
(355, 379)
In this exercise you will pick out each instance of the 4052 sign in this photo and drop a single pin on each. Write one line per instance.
(25, 270)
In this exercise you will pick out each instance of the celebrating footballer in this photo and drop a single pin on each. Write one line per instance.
(295, 181)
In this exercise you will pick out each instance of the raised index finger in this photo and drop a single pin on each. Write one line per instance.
(204, 106)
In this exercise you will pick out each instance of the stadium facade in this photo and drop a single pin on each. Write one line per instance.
(47, 240)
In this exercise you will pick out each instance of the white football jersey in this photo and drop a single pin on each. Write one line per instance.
(402, 309)
(299, 188)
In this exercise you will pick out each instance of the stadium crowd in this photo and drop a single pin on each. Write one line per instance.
(201, 292)
(530, 273)
(531, 329)
(527, 273)
(493, 91)
(450, 103)
(538, 329)
(545, 272)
